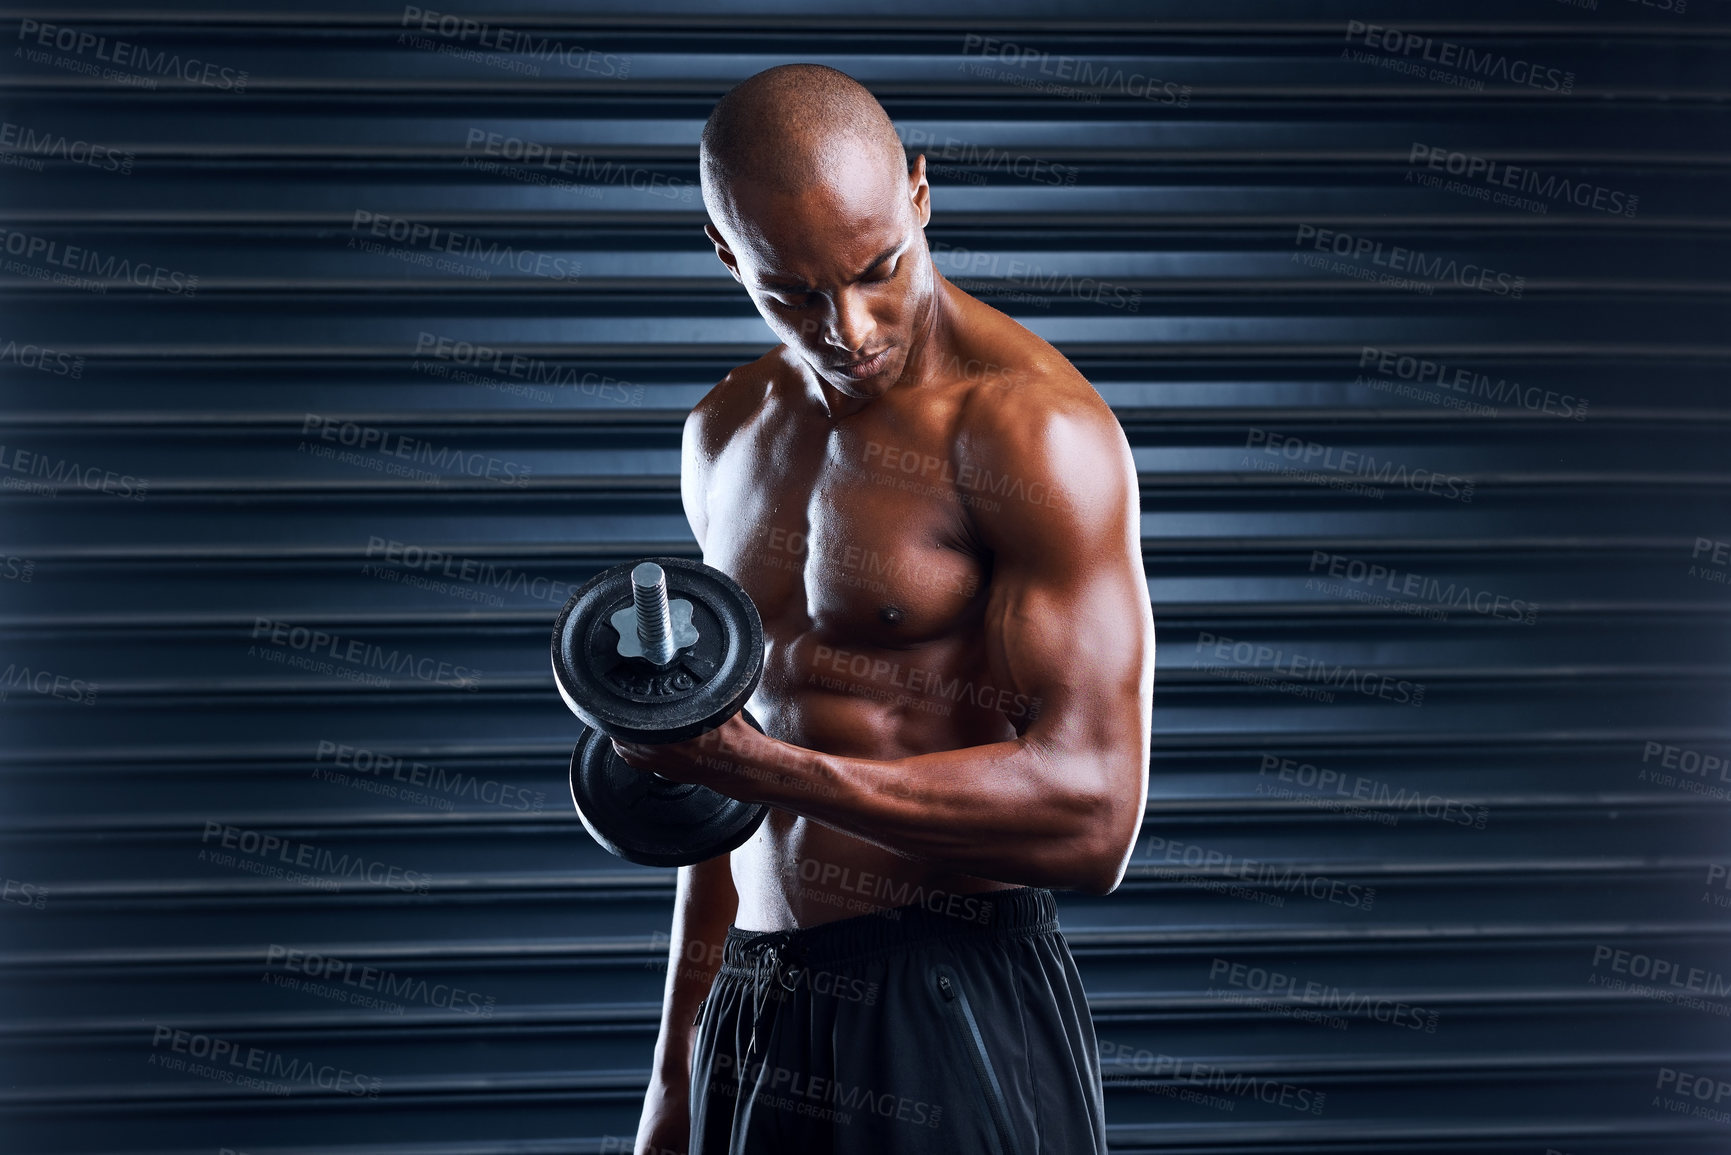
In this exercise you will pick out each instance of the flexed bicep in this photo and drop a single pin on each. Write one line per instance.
(1068, 622)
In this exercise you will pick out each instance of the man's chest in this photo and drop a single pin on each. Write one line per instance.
(854, 533)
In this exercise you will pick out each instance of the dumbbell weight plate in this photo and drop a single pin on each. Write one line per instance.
(628, 698)
(649, 820)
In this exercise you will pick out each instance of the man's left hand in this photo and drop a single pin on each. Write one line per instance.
(722, 758)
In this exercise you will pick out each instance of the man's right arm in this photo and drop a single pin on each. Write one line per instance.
(704, 907)
(706, 902)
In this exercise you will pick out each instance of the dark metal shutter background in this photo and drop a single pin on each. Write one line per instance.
(117, 933)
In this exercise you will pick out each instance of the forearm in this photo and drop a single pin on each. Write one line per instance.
(704, 906)
(1015, 811)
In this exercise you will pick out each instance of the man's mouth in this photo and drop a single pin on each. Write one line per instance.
(869, 367)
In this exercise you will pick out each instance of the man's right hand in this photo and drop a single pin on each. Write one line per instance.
(704, 904)
(665, 1128)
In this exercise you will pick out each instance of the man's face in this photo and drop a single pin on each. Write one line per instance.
(839, 270)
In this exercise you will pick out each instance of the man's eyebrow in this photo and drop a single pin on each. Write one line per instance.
(775, 281)
(883, 256)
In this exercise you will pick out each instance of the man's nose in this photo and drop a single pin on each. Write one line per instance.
(850, 321)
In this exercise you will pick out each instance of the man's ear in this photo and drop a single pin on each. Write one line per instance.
(722, 251)
(920, 191)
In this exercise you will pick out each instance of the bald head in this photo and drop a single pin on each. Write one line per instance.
(792, 127)
(815, 210)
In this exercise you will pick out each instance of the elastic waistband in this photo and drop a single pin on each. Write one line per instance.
(988, 914)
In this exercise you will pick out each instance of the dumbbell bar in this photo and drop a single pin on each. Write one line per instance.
(656, 651)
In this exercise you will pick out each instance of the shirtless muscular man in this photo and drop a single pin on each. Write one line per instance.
(937, 518)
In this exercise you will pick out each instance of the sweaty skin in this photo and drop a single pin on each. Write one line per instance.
(947, 558)
(937, 519)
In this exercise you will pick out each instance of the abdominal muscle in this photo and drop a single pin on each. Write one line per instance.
(796, 872)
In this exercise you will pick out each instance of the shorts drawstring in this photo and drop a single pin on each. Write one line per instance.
(771, 964)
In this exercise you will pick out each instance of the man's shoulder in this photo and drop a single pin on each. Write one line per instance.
(1024, 393)
(1039, 431)
(737, 399)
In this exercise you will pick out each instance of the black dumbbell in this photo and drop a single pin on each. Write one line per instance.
(656, 651)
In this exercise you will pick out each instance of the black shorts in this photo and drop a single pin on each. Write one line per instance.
(913, 1030)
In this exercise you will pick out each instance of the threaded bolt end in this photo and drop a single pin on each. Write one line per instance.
(654, 618)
